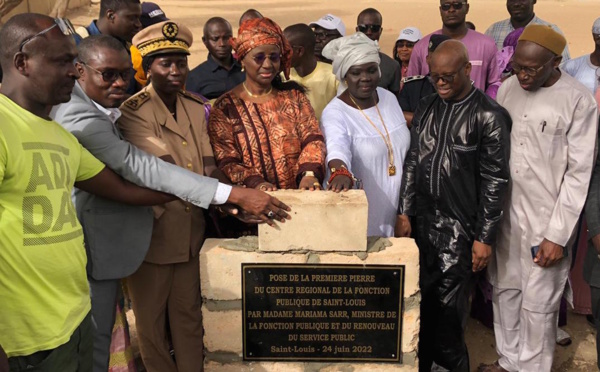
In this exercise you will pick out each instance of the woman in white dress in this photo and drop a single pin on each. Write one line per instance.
(365, 131)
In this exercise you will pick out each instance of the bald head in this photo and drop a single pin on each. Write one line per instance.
(16, 30)
(216, 22)
(302, 35)
(452, 50)
(450, 70)
(37, 62)
(250, 14)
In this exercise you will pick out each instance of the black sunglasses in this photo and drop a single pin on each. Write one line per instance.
(405, 44)
(63, 24)
(457, 6)
(110, 76)
(260, 58)
(364, 28)
(322, 35)
(446, 79)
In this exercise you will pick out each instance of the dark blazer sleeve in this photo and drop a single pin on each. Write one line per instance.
(96, 133)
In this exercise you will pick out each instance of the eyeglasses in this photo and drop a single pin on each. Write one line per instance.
(319, 35)
(260, 58)
(63, 24)
(457, 6)
(405, 44)
(529, 71)
(364, 28)
(446, 79)
(109, 75)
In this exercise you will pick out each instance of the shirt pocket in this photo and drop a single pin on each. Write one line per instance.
(553, 140)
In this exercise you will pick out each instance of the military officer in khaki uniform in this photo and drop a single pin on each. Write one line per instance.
(168, 122)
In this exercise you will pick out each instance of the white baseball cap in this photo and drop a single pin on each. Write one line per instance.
(596, 27)
(411, 34)
(331, 22)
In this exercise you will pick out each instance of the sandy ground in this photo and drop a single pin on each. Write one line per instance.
(574, 17)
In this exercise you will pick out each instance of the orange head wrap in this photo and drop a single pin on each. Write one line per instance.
(262, 31)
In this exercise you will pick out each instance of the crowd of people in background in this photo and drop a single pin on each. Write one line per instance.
(117, 160)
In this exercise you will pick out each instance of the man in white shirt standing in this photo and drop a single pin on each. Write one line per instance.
(555, 120)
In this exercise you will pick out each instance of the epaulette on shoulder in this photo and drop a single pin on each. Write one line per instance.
(408, 79)
(137, 101)
(192, 96)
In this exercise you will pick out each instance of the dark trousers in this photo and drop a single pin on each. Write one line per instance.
(445, 289)
(104, 294)
(596, 314)
(74, 356)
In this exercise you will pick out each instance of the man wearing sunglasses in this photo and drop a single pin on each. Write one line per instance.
(45, 320)
(553, 138)
(454, 182)
(369, 22)
(481, 48)
(327, 28)
(521, 15)
(117, 241)
(119, 19)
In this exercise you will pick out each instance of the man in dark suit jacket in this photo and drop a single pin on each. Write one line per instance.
(591, 265)
(117, 236)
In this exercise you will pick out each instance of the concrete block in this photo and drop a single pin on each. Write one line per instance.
(210, 366)
(321, 221)
(221, 268)
(411, 322)
(222, 331)
(403, 251)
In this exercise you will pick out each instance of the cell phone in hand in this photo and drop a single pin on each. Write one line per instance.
(534, 251)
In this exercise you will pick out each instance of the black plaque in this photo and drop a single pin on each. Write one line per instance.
(309, 312)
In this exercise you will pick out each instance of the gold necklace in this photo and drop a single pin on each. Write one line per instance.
(256, 95)
(386, 138)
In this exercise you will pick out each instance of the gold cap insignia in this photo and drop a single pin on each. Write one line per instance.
(170, 30)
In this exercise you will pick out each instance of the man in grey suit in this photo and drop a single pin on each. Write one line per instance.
(117, 236)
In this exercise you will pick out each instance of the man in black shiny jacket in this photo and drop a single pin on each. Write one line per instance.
(454, 182)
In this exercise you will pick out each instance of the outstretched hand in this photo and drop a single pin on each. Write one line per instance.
(259, 204)
(240, 214)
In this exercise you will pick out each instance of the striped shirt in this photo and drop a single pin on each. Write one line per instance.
(499, 30)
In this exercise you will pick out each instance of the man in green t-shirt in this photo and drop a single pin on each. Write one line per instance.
(44, 295)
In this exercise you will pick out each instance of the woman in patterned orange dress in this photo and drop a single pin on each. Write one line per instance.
(264, 132)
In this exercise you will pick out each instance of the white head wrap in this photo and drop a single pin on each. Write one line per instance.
(349, 51)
